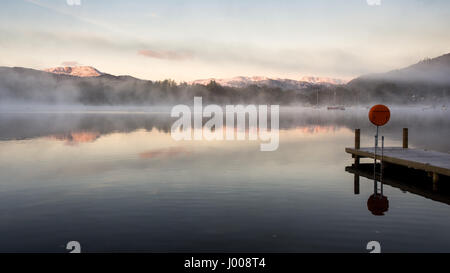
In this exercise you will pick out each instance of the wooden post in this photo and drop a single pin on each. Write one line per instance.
(357, 138)
(356, 184)
(435, 181)
(405, 138)
(357, 145)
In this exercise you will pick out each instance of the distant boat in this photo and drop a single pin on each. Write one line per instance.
(428, 108)
(335, 108)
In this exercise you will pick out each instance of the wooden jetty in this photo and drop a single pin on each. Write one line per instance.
(434, 163)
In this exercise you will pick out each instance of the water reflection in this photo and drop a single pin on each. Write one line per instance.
(426, 127)
(378, 204)
(407, 180)
(164, 152)
(119, 182)
(73, 138)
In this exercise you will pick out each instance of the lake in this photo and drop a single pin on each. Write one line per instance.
(115, 181)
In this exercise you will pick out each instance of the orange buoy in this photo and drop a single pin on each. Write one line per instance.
(379, 114)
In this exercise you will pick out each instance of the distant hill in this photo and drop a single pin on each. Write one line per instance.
(323, 80)
(432, 71)
(427, 81)
(79, 71)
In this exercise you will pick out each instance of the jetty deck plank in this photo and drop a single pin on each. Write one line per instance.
(430, 161)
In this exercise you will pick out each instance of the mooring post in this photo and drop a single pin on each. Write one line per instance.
(357, 145)
(356, 184)
(357, 138)
(435, 181)
(405, 138)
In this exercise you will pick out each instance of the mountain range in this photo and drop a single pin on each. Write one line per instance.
(302, 83)
(237, 82)
(428, 81)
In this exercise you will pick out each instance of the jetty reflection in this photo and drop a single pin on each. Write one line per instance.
(413, 182)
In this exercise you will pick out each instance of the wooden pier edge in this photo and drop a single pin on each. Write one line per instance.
(399, 161)
(402, 155)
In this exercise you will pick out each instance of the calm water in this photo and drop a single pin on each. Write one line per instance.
(116, 181)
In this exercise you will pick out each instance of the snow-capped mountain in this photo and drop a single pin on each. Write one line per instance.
(322, 80)
(79, 71)
(241, 81)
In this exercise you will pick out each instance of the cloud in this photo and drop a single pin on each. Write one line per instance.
(373, 2)
(70, 63)
(69, 13)
(154, 15)
(166, 55)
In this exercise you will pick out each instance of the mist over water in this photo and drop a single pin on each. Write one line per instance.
(427, 124)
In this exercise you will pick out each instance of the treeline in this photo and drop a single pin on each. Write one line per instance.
(399, 92)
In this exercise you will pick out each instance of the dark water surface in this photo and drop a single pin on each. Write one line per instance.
(117, 181)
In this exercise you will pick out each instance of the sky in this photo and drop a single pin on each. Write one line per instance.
(200, 39)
